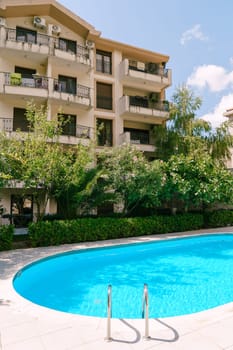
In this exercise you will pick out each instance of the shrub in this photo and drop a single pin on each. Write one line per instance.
(219, 218)
(47, 233)
(6, 237)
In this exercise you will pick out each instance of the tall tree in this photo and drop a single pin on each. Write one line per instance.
(133, 180)
(39, 161)
(184, 132)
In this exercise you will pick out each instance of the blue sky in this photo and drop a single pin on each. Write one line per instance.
(196, 35)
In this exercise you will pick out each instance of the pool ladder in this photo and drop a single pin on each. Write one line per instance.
(145, 312)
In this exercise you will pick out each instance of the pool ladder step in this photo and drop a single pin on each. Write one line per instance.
(145, 312)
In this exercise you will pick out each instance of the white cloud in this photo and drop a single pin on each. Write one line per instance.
(193, 33)
(216, 78)
(231, 60)
(216, 116)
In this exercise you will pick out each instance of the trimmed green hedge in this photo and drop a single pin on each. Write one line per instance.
(6, 237)
(219, 218)
(47, 233)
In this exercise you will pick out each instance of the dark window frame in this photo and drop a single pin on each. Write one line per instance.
(104, 96)
(102, 64)
(67, 45)
(70, 126)
(104, 132)
(70, 85)
(26, 35)
(19, 120)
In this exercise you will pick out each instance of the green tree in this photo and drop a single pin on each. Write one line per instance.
(196, 181)
(184, 132)
(39, 161)
(131, 178)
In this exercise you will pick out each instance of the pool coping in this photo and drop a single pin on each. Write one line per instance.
(24, 325)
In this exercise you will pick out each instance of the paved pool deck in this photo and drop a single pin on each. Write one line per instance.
(27, 326)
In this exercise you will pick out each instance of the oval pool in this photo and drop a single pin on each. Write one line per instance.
(184, 276)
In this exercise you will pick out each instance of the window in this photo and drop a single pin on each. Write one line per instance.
(104, 62)
(68, 124)
(138, 136)
(26, 35)
(19, 120)
(104, 96)
(26, 76)
(21, 209)
(25, 72)
(67, 45)
(67, 84)
(104, 132)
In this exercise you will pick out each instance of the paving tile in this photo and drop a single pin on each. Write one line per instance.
(32, 344)
(221, 333)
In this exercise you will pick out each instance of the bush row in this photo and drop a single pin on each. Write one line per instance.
(219, 218)
(6, 237)
(47, 233)
(56, 232)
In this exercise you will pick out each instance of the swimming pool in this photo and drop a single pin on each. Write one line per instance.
(184, 276)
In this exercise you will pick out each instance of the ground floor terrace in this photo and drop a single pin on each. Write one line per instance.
(27, 326)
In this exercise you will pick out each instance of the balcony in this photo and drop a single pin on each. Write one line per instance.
(80, 56)
(26, 43)
(79, 96)
(83, 134)
(142, 109)
(32, 86)
(146, 76)
(141, 143)
(40, 87)
(44, 46)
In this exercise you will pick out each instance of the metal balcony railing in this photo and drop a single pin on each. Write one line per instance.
(145, 102)
(35, 81)
(80, 90)
(84, 132)
(40, 39)
(151, 68)
(6, 124)
(47, 40)
(78, 49)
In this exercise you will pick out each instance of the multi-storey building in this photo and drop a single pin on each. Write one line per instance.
(53, 56)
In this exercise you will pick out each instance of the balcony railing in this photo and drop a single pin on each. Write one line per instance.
(82, 53)
(6, 124)
(35, 81)
(83, 132)
(40, 39)
(80, 90)
(145, 102)
(151, 68)
(79, 49)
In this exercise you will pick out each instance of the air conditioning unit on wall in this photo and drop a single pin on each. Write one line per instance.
(2, 21)
(89, 44)
(39, 22)
(55, 29)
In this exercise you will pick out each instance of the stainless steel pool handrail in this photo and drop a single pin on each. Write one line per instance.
(109, 313)
(145, 310)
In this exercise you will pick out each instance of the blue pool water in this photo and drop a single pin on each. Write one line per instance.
(184, 276)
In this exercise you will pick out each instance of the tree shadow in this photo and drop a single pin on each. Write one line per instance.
(4, 302)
